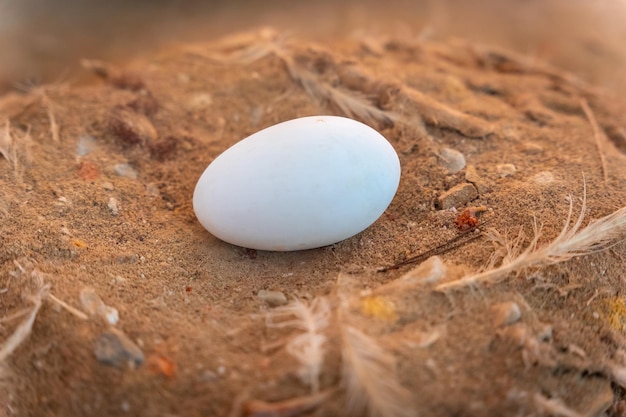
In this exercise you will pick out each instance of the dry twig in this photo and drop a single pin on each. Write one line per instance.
(459, 240)
(54, 126)
(438, 114)
(350, 101)
(554, 407)
(23, 330)
(571, 242)
(597, 134)
(287, 408)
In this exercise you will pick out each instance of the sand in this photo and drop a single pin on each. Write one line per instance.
(95, 197)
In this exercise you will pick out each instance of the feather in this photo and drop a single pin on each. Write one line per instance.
(571, 242)
(308, 347)
(352, 104)
(369, 377)
(24, 329)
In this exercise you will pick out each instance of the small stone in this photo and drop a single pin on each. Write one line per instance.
(457, 196)
(506, 170)
(273, 298)
(452, 160)
(113, 206)
(108, 186)
(472, 175)
(505, 314)
(95, 307)
(153, 190)
(86, 144)
(126, 171)
(127, 259)
(114, 348)
(531, 148)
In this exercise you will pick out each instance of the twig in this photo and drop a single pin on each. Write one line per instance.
(351, 103)
(54, 126)
(287, 408)
(436, 113)
(68, 307)
(14, 316)
(455, 242)
(554, 407)
(24, 329)
(598, 235)
(597, 134)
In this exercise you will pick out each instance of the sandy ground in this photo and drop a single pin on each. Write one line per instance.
(95, 202)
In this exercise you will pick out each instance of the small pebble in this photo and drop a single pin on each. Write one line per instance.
(452, 160)
(531, 148)
(472, 175)
(86, 144)
(114, 348)
(273, 298)
(113, 206)
(153, 190)
(126, 171)
(457, 196)
(505, 170)
(505, 314)
(95, 307)
(108, 186)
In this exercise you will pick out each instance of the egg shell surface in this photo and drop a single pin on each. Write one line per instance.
(300, 184)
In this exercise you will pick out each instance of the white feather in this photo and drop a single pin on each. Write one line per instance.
(308, 347)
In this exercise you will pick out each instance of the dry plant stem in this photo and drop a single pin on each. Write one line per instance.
(554, 407)
(8, 146)
(456, 242)
(350, 103)
(571, 242)
(23, 330)
(597, 135)
(508, 61)
(242, 48)
(54, 126)
(438, 114)
(287, 408)
(68, 307)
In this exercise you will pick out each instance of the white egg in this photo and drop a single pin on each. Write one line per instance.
(300, 184)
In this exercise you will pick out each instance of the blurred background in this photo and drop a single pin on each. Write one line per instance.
(43, 40)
